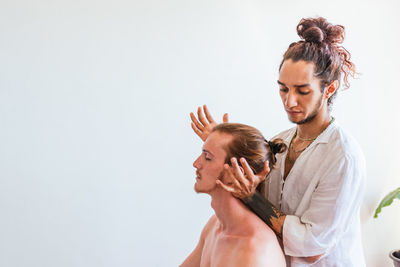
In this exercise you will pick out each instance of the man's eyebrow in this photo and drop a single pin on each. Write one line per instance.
(297, 86)
(281, 83)
(206, 151)
(302, 85)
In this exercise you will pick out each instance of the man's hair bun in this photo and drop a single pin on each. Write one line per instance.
(313, 34)
(277, 146)
(319, 30)
(320, 44)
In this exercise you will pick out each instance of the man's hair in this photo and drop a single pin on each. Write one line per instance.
(249, 143)
(319, 44)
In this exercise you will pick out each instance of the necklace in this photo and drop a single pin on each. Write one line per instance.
(301, 150)
(306, 139)
(291, 161)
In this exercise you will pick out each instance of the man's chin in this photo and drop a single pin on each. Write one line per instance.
(300, 121)
(293, 120)
(198, 189)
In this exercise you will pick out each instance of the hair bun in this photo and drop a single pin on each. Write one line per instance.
(314, 35)
(277, 146)
(319, 30)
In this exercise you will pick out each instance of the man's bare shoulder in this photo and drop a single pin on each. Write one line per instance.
(261, 248)
(210, 225)
(195, 258)
(257, 251)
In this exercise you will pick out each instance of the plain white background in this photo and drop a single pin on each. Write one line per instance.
(96, 148)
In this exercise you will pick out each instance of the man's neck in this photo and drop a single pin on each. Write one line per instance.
(314, 127)
(231, 212)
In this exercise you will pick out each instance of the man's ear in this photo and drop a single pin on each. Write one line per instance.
(331, 89)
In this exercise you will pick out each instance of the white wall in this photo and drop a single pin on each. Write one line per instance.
(96, 149)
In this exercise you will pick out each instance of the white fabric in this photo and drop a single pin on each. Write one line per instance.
(321, 197)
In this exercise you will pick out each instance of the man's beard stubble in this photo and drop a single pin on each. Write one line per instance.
(219, 177)
(312, 115)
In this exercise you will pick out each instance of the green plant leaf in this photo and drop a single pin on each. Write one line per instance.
(387, 200)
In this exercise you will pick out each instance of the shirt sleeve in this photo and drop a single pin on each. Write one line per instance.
(334, 203)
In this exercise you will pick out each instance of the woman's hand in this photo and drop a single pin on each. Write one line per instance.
(243, 182)
(203, 127)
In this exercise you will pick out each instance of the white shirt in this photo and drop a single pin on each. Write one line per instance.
(321, 197)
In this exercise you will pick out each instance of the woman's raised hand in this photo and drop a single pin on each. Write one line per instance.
(203, 125)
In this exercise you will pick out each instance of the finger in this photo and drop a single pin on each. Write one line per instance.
(253, 181)
(196, 122)
(238, 173)
(228, 170)
(236, 183)
(196, 130)
(201, 116)
(232, 177)
(208, 115)
(225, 187)
(263, 174)
(247, 170)
(225, 118)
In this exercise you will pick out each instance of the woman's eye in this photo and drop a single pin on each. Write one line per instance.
(283, 90)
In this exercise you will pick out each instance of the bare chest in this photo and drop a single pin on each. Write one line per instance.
(289, 162)
(294, 151)
(217, 251)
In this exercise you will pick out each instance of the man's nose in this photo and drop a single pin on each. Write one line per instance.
(291, 99)
(196, 163)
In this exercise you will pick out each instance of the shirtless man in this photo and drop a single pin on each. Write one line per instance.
(234, 236)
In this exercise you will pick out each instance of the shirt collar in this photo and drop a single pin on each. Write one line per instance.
(323, 137)
(326, 134)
